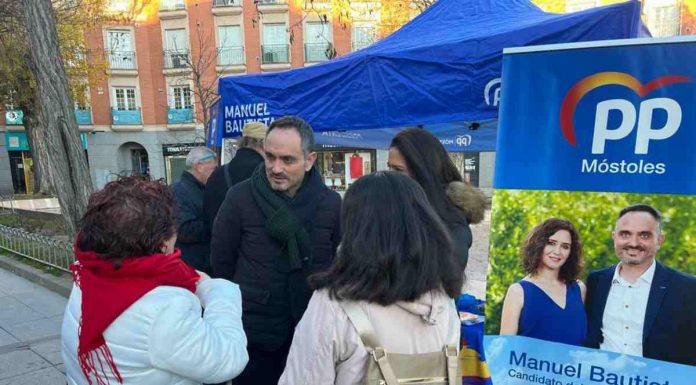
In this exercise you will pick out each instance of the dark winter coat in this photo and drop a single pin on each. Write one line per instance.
(193, 233)
(274, 296)
(238, 169)
(472, 204)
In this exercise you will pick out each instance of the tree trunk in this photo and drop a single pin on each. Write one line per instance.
(32, 114)
(58, 138)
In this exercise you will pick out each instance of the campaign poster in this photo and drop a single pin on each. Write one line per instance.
(587, 130)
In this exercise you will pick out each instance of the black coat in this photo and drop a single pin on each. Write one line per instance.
(669, 330)
(273, 297)
(193, 233)
(461, 236)
(238, 169)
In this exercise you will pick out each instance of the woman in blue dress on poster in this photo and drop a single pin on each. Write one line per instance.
(548, 303)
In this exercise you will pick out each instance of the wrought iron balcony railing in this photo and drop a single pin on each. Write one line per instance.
(176, 59)
(275, 53)
(122, 60)
(227, 3)
(317, 52)
(228, 56)
(172, 5)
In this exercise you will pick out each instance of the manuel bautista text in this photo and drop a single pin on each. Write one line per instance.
(594, 374)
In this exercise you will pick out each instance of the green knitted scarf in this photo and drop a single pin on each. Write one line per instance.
(281, 222)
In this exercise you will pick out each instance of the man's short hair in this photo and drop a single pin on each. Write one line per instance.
(644, 208)
(198, 154)
(301, 126)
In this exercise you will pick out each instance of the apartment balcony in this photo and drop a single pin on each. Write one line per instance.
(126, 119)
(272, 6)
(83, 116)
(357, 45)
(275, 54)
(227, 7)
(172, 9)
(179, 115)
(176, 62)
(231, 60)
(230, 56)
(317, 52)
(123, 63)
(14, 117)
(319, 5)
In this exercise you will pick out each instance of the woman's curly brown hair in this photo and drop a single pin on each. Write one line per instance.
(132, 216)
(536, 240)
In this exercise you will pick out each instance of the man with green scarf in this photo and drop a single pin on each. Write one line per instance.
(273, 230)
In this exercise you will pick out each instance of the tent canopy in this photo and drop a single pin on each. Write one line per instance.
(442, 67)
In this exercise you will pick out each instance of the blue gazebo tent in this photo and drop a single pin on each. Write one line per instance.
(438, 71)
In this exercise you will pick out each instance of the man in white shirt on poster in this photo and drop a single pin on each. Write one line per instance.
(639, 306)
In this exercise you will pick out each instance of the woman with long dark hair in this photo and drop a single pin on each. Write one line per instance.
(548, 303)
(396, 263)
(135, 312)
(420, 155)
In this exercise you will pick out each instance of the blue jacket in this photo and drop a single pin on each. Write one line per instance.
(669, 331)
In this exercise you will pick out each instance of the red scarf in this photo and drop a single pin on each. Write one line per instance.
(108, 291)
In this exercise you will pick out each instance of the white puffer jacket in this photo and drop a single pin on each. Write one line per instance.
(163, 339)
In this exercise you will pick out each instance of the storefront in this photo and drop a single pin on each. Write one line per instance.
(175, 159)
(468, 164)
(341, 166)
(21, 162)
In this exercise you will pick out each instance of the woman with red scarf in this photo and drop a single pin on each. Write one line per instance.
(137, 313)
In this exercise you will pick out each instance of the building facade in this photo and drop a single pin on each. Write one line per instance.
(145, 114)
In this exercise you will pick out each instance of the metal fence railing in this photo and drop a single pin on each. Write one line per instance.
(227, 3)
(45, 250)
(230, 56)
(176, 59)
(122, 60)
(317, 52)
(275, 53)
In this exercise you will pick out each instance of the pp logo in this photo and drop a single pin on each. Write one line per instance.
(463, 140)
(492, 98)
(644, 115)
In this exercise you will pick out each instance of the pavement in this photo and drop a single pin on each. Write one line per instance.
(477, 266)
(30, 321)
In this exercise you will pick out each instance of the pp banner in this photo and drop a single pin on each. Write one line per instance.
(593, 226)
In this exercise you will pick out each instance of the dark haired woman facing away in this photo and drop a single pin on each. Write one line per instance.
(420, 155)
(396, 262)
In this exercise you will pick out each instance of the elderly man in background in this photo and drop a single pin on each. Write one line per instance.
(240, 168)
(193, 232)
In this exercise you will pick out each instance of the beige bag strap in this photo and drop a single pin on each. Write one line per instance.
(380, 356)
(452, 365)
(362, 324)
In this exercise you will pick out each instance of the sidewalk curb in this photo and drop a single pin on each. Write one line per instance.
(59, 285)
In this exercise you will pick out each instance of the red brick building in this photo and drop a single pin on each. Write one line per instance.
(143, 116)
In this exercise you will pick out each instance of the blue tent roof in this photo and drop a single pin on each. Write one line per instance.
(433, 70)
